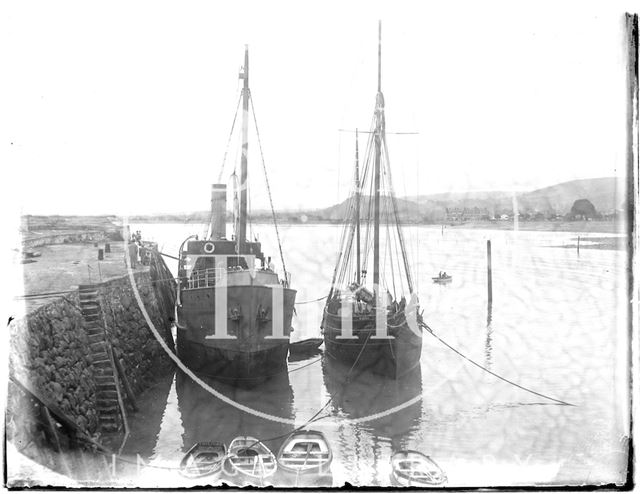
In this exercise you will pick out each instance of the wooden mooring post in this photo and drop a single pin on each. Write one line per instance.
(489, 280)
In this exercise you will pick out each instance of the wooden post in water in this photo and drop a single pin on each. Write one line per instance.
(578, 244)
(489, 280)
(358, 267)
(633, 110)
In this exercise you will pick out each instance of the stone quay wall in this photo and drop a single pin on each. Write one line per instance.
(64, 238)
(49, 351)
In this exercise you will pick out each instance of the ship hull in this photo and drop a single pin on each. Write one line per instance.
(231, 364)
(257, 341)
(393, 358)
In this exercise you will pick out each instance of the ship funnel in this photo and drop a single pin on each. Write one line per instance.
(218, 211)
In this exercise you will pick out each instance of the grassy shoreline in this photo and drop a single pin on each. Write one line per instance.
(614, 227)
(56, 224)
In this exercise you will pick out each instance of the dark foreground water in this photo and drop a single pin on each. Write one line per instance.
(557, 325)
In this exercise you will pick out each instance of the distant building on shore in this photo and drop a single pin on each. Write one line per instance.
(467, 214)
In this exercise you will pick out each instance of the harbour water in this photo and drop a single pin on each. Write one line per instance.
(557, 325)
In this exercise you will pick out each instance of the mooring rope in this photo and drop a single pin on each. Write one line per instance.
(430, 331)
(262, 376)
(43, 294)
(315, 417)
(311, 301)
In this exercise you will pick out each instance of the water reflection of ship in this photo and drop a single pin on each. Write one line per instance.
(146, 425)
(365, 393)
(207, 418)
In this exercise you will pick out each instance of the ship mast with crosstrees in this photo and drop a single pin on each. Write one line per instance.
(233, 310)
(359, 309)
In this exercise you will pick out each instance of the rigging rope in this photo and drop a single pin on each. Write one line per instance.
(209, 232)
(233, 125)
(395, 211)
(266, 179)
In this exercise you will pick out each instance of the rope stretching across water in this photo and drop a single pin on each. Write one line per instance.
(321, 409)
(311, 301)
(316, 416)
(430, 331)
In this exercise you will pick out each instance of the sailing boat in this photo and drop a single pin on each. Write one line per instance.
(369, 323)
(233, 311)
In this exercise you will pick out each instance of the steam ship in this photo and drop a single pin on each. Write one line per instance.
(233, 310)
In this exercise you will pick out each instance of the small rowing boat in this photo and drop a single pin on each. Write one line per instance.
(203, 460)
(304, 347)
(249, 462)
(305, 451)
(414, 469)
(442, 278)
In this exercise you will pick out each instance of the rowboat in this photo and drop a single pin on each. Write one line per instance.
(203, 460)
(249, 461)
(442, 279)
(412, 468)
(305, 451)
(308, 346)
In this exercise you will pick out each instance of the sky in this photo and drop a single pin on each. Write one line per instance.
(125, 107)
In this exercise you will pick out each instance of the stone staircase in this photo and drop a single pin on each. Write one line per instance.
(107, 402)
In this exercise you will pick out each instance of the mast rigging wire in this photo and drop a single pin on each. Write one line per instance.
(233, 125)
(209, 231)
(266, 179)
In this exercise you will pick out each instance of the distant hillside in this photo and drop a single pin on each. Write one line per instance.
(463, 199)
(408, 210)
(606, 194)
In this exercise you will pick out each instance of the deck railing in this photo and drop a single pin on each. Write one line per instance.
(205, 277)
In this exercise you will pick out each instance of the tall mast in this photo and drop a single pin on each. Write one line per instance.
(379, 132)
(242, 230)
(357, 213)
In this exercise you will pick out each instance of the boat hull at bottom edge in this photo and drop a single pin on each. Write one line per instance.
(284, 478)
